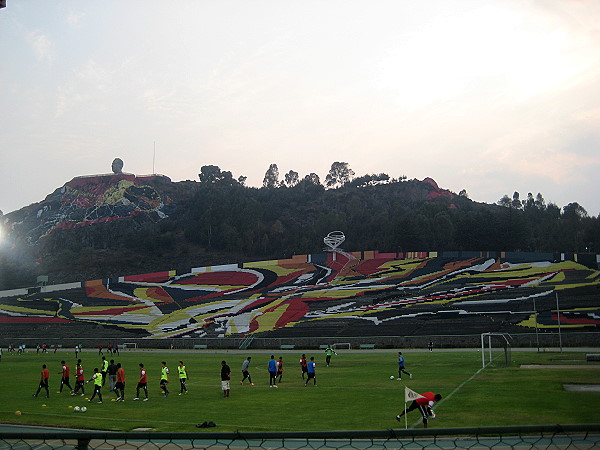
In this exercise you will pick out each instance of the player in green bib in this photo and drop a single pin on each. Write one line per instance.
(183, 376)
(164, 378)
(328, 353)
(97, 379)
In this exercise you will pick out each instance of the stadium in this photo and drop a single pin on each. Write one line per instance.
(143, 312)
(469, 324)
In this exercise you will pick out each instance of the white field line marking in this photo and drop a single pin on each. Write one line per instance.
(458, 388)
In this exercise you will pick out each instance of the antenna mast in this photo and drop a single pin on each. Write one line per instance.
(154, 159)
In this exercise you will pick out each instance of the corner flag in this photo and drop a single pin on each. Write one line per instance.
(410, 395)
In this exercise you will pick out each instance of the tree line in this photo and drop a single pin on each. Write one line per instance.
(291, 215)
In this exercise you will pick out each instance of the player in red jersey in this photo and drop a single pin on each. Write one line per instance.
(64, 380)
(120, 384)
(142, 383)
(79, 379)
(303, 365)
(45, 375)
(280, 368)
(424, 404)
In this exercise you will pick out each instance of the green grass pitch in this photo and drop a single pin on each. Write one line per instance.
(354, 393)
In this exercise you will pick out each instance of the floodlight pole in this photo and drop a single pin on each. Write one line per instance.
(558, 320)
(537, 338)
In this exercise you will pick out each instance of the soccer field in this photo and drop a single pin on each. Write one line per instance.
(354, 393)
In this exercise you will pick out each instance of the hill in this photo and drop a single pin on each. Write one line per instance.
(109, 225)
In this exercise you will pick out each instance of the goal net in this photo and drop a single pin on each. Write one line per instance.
(343, 345)
(495, 349)
(130, 345)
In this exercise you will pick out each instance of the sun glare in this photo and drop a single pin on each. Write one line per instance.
(488, 47)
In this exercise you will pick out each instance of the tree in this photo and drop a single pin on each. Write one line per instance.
(271, 179)
(312, 178)
(213, 175)
(505, 201)
(574, 211)
(516, 202)
(369, 180)
(530, 202)
(292, 178)
(339, 174)
(540, 203)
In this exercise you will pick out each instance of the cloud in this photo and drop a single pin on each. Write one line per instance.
(42, 45)
(74, 19)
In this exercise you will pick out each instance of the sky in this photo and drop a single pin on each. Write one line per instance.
(488, 96)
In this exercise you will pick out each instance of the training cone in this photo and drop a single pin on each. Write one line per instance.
(17, 413)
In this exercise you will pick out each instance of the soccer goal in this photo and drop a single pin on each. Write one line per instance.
(130, 345)
(497, 344)
(343, 346)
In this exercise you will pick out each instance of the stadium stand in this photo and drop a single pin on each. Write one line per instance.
(369, 301)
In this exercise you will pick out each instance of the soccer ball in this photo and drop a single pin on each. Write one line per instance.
(392, 377)
(76, 409)
(83, 409)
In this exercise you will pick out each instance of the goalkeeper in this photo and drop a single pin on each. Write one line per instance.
(424, 404)
(328, 353)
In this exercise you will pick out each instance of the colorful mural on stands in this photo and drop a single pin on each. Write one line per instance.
(260, 297)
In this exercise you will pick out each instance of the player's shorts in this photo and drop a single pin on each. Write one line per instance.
(311, 375)
(225, 385)
(163, 382)
(421, 408)
(119, 385)
(304, 369)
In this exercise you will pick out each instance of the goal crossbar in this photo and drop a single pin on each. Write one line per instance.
(505, 342)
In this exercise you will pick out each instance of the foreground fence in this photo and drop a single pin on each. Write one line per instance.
(547, 437)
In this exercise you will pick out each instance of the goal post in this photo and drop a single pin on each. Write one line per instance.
(495, 343)
(130, 345)
(343, 345)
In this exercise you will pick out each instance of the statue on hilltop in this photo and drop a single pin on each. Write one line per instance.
(117, 165)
